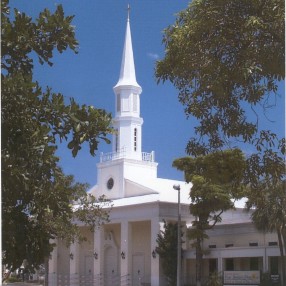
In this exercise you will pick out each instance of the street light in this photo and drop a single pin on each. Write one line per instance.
(178, 188)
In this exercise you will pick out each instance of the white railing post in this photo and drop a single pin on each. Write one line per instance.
(153, 156)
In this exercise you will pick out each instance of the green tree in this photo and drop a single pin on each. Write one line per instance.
(225, 58)
(216, 180)
(214, 280)
(37, 197)
(167, 249)
(269, 215)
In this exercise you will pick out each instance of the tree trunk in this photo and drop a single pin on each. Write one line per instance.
(282, 255)
(283, 233)
(283, 264)
(199, 263)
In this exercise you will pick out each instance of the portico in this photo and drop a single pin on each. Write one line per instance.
(119, 253)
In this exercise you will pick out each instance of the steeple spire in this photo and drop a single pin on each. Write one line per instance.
(127, 72)
(127, 121)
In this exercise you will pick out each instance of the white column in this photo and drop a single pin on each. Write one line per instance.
(53, 265)
(99, 250)
(126, 251)
(156, 227)
(74, 264)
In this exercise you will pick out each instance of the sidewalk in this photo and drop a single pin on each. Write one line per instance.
(21, 284)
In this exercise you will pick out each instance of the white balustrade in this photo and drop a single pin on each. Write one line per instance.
(105, 157)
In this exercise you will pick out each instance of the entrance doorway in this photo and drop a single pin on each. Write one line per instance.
(88, 271)
(138, 271)
(111, 267)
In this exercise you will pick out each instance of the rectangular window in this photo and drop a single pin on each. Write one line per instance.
(272, 243)
(135, 139)
(212, 265)
(254, 264)
(212, 246)
(229, 264)
(116, 140)
(229, 245)
(274, 265)
(253, 244)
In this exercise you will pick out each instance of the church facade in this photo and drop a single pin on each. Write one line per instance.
(122, 252)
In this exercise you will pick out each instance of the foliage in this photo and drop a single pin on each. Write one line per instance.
(270, 209)
(13, 280)
(214, 280)
(167, 249)
(37, 198)
(265, 279)
(216, 180)
(225, 58)
(269, 215)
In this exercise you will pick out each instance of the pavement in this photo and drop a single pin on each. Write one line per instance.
(21, 284)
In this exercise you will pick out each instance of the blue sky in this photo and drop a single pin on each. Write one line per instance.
(90, 75)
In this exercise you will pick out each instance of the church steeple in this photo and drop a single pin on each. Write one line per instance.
(127, 72)
(127, 120)
(126, 161)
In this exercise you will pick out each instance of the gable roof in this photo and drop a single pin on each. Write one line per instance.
(139, 191)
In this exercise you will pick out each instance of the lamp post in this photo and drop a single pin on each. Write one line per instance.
(179, 270)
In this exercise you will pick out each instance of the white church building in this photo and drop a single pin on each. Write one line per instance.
(122, 252)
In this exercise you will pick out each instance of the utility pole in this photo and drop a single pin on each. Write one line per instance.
(179, 254)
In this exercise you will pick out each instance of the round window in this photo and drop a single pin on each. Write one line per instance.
(110, 183)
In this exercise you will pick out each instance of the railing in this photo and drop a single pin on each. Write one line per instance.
(190, 280)
(97, 280)
(125, 280)
(110, 280)
(149, 157)
(105, 157)
(77, 280)
(62, 280)
(87, 280)
(112, 155)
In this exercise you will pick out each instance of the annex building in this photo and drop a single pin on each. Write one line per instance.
(122, 252)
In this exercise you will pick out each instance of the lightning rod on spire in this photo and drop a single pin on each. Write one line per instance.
(128, 11)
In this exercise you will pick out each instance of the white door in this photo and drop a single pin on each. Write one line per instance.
(88, 265)
(88, 271)
(138, 272)
(110, 267)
